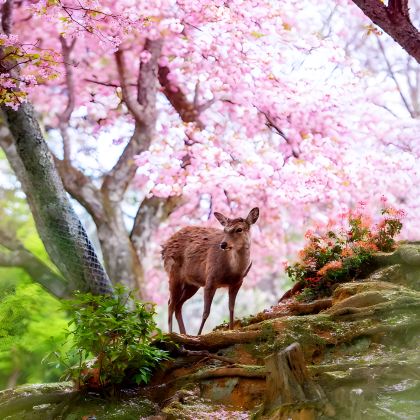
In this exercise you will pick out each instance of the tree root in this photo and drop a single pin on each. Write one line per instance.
(315, 307)
(296, 288)
(26, 402)
(349, 313)
(207, 355)
(216, 339)
(63, 407)
(241, 371)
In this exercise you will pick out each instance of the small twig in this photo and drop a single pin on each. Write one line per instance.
(394, 78)
(108, 84)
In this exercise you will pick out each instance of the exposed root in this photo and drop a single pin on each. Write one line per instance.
(207, 355)
(26, 402)
(216, 339)
(348, 313)
(241, 371)
(296, 288)
(315, 307)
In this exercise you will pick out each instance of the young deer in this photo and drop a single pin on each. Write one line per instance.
(197, 257)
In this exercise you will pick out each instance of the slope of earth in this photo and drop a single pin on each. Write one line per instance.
(357, 357)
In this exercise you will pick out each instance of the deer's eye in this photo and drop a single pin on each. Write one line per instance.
(238, 230)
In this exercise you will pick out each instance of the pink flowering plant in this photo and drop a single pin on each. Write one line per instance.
(341, 254)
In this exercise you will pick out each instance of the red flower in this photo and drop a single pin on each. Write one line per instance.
(333, 265)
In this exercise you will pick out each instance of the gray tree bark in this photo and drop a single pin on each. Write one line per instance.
(59, 227)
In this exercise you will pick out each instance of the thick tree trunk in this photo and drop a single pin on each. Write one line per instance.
(120, 257)
(59, 227)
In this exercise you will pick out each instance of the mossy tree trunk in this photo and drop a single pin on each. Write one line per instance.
(60, 229)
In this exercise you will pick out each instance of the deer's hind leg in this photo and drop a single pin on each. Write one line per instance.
(188, 290)
(174, 292)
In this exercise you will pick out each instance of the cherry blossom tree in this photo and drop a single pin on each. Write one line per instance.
(209, 105)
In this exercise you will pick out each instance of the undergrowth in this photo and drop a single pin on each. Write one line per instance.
(111, 336)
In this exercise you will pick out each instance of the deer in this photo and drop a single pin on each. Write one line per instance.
(211, 258)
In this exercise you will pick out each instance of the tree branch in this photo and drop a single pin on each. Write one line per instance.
(398, 6)
(19, 256)
(143, 110)
(133, 106)
(108, 84)
(271, 124)
(394, 78)
(81, 188)
(6, 17)
(64, 118)
(188, 111)
(395, 21)
(151, 213)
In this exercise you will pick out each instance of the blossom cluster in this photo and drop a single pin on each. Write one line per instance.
(344, 250)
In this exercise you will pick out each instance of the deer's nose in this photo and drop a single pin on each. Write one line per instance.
(223, 245)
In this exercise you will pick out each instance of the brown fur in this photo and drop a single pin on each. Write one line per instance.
(193, 258)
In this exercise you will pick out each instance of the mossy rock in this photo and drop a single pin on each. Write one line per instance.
(62, 401)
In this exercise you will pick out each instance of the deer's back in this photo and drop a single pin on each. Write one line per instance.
(186, 252)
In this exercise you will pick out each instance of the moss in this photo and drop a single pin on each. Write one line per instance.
(202, 410)
(76, 406)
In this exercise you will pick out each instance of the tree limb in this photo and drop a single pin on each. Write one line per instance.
(81, 188)
(188, 111)
(6, 16)
(272, 125)
(398, 6)
(394, 19)
(64, 118)
(151, 212)
(133, 106)
(143, 110)
(19, 256)
(394, 78)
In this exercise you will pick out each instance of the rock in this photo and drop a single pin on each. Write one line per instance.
(410, 254)
(382, 259)
(393, 273)
(61, 400)
(345, 290)
(405, 254)
(359, 300)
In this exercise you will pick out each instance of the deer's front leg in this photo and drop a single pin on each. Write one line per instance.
(233, 291)
(209, 292)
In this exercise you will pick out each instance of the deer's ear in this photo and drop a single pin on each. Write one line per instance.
(222, 219)
(253, 216)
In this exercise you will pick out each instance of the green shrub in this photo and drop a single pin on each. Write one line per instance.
(111, 338)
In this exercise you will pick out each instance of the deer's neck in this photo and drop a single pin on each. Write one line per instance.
(239, 260)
